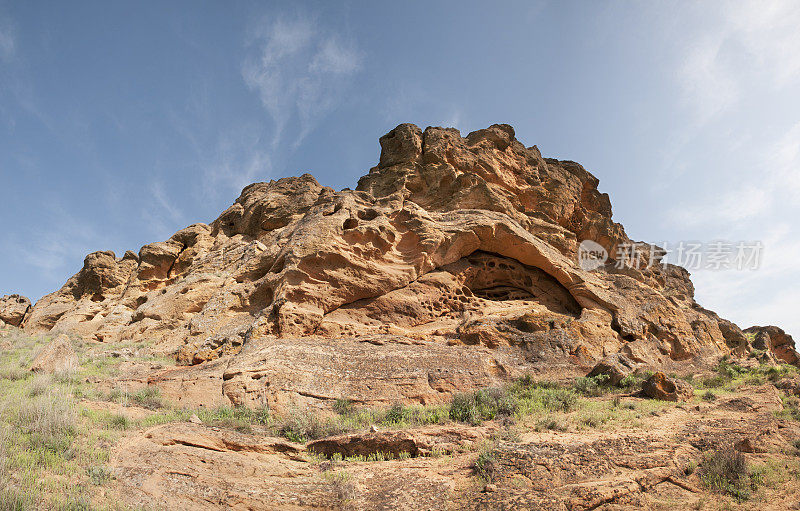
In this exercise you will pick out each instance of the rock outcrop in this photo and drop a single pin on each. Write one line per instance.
(57, 356)
(453, 264)
(775, 341)
(13, 309)
(660, 386)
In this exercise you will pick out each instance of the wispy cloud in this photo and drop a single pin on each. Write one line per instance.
(754, 200)
(739, 44)
(8, 43)
(160, 196)
(57, 243)
(238, 159)
(300, 72)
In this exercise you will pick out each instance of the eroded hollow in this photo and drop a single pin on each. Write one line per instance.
(494, 277)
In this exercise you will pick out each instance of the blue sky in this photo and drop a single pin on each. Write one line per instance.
(121, 123)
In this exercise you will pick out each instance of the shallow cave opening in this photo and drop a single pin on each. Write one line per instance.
(503, 293)
(499, 278)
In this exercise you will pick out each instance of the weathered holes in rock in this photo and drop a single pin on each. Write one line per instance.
(277, 267)
(141, 300)
(261, 298)
(98, 297)
(350, 223)
(270, 224)
(368, 214)
(446, 181)
(494, 277)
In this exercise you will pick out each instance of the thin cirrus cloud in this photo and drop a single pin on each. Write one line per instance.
(7, 41)
(300, 73)
(758, 36)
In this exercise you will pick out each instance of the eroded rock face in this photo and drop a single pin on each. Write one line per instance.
(457, 253)
(13, 309)
(56, 357)
(775, 341)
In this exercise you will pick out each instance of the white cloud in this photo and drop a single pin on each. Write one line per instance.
(300, 73)
(739, 43)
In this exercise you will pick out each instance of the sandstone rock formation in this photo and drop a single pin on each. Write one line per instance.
(453, 264)
(13, 309)
(615, 367)
(660, 386)
(775, 341)
(57, 356)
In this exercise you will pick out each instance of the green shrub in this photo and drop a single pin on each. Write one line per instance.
(117, 421)
(148, 397)
(559, 400)
(592, 385)
(485, 404)
(98, 474)
(486, 464)
(307, 425)
(395, 414)
(727, 471)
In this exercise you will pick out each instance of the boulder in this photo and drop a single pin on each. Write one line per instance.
(617, 367)
(57, 356)
(13, 309)
(660, 386)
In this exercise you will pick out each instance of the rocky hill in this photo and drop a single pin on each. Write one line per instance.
(430, 340)
(453, 264)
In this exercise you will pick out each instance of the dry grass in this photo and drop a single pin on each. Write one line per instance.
(49, 454)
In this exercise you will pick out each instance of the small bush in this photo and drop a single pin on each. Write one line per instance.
(481, 405)
(50, 420)
(303, 426)
(148, 397)
(39, 385)
(14, 373)
(98, 474)
(486, 464)
(559, 399)
(709, 396)
(726, 471)
(395, 414)
(551, 425)
(117, 421)
(592, 385)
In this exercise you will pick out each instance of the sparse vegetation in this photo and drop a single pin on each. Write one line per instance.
(727, 471)
(709, 395)
(486, 463)
(46, 441)
(729, 376)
